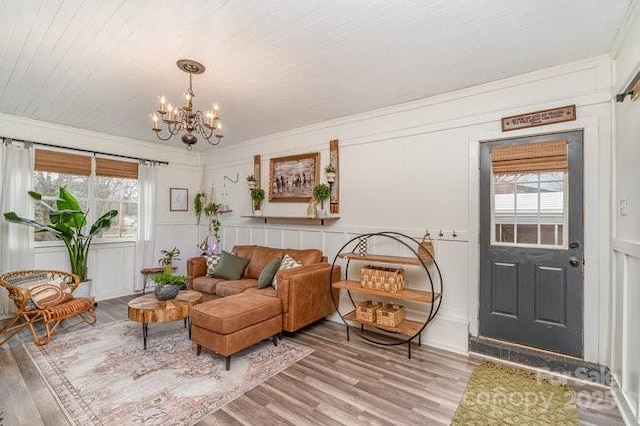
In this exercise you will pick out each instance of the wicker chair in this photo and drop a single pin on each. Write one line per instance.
(16, 283)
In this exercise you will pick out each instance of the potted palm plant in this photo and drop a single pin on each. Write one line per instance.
(67, 223)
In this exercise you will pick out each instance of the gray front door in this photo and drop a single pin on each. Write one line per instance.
(531, 242)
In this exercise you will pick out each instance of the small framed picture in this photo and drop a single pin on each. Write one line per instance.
(178, 199)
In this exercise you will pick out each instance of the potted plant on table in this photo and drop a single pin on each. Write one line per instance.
(321, 192)
(67, 223)
(257, 196)
(167, 284)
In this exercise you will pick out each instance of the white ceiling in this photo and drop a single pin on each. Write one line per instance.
(275, 65)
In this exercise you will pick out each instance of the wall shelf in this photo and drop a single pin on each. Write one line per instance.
(320, 220)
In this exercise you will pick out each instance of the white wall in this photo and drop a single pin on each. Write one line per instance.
(414, 166)
(625, 342)
(113, 266)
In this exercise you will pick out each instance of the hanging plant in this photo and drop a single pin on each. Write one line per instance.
(198, 204)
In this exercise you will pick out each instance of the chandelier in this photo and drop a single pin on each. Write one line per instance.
(185, 119)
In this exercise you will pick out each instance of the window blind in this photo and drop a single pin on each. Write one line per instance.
(62, 162)
(116, 168)
(530, 157)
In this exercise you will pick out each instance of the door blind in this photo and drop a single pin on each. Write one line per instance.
(530, 157)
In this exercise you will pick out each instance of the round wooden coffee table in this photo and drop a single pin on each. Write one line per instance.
(147, 309)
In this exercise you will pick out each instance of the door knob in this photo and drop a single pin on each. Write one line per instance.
(574, 261)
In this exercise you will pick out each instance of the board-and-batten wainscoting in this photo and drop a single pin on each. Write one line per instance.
(448, 331)
(626, 317)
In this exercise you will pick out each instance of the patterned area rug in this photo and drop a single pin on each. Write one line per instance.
(102, 376)
(499, 395)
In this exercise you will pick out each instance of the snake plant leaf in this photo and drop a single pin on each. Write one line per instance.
(102, 223)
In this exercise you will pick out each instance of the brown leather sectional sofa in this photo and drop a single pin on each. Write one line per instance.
(303, 291)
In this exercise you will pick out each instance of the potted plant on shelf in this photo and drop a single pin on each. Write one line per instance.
(67, 222)
(330, 172)
(257, 196)
(251, 181)
(321, 192)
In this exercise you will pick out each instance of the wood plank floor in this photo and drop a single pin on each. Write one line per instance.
(340, 383)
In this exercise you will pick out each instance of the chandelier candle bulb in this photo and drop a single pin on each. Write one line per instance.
(163, 100)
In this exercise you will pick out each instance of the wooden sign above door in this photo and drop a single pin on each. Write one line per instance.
(539, 118)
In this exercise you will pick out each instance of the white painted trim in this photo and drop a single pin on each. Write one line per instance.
(632, 11)
(596, 228)
(601, 64)
(623, 406)
(630, 248)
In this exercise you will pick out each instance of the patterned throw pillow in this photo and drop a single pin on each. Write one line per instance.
(52, 293)
(212, 261)
(288, 262)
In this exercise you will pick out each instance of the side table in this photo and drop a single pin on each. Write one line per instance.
(150, 271)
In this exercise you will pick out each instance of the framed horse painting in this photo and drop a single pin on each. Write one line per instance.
(292, 178)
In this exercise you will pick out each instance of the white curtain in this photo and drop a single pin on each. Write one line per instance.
(146, 231)
(16, 241)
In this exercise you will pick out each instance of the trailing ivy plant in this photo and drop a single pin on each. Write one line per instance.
(211, 211)
(198, 204)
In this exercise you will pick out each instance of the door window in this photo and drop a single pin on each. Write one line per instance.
(529, 209)
(528, 194)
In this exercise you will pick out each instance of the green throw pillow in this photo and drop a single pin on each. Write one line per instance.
(268, 272)
(230, 267)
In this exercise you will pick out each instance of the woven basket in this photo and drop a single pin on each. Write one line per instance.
(366, 311)
(390, 280)
(390, 315)
(426, 251)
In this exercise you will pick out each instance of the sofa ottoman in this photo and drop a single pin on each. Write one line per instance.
(228, 325)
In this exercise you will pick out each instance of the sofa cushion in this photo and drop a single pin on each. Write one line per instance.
(268, 273)
(244, 251)
(229, 288)
(230, 267)
(228, 315)
(267, 291)
(288, 262)
(260, 258)
(306, 257)
(206, 284)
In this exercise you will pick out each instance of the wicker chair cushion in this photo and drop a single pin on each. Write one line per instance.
(50, 294)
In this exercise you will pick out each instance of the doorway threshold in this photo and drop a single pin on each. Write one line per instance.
(554, 362)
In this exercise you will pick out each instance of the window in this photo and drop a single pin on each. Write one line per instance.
(99, 186)
(529, 183)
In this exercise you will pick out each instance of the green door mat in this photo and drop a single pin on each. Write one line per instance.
(499, 395)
